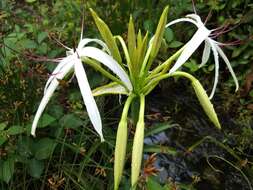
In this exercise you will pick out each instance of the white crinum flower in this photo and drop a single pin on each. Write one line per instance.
(73, 62)
(202, 34)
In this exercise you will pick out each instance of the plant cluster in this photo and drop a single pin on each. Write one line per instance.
(135, 79)
(136, 66)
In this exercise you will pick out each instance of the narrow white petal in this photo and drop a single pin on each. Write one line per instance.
(206, 54)
(85, 41)
(56, 71)
(108, 61)
(201, 34)
(224, 57)
(196, 18)
(43, 104)
(48, 94)
(216, 61)
(181, 20)
(88, 98)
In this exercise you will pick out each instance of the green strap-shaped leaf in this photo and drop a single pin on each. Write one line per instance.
(139, 38)
(159, 149)
(111, 88)
(159, 33)
(158, 128)
(155, 42)
(131, 38)
(141, 51)
(107, 36)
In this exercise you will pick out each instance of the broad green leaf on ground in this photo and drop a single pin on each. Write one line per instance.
(41, 36)
(8, 169)
(3, 139)
(71, 121)
(35, 168)
(168, 35)
(153, 185)
(3, 126)
(15, 130)
(175, 44)
(44, 148)
(45, 120)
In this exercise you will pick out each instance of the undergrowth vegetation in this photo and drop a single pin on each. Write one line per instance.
(182, 150)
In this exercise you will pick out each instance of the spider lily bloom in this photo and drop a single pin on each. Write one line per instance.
(73, 61)
(202, 34)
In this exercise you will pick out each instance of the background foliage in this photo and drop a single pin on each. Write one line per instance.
(67, 154)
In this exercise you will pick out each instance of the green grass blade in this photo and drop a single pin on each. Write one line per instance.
(159, 149)
(160, 127)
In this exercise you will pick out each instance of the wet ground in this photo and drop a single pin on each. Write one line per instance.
(214, 164)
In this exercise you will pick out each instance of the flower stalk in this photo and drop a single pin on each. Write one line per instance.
(121, 143)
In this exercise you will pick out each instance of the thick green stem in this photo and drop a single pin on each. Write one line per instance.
(121, 144)
(135, 106)
(138, 145)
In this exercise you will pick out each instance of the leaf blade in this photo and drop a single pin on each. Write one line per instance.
(111, 88)
(107, 36)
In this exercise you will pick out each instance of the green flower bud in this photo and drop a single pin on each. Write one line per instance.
(138, 145)
(205, 102)
(120, 152)
(137, 152)
(121, 144)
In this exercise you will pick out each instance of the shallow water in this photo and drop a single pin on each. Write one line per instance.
(183, 108)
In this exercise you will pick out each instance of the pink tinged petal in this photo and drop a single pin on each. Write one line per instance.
(85, 41)
(108, 61)
(224, 57)
(206, 54)
(57, 71)
(201, 34)
(48, 94)
(88, 98)
(216, 61)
